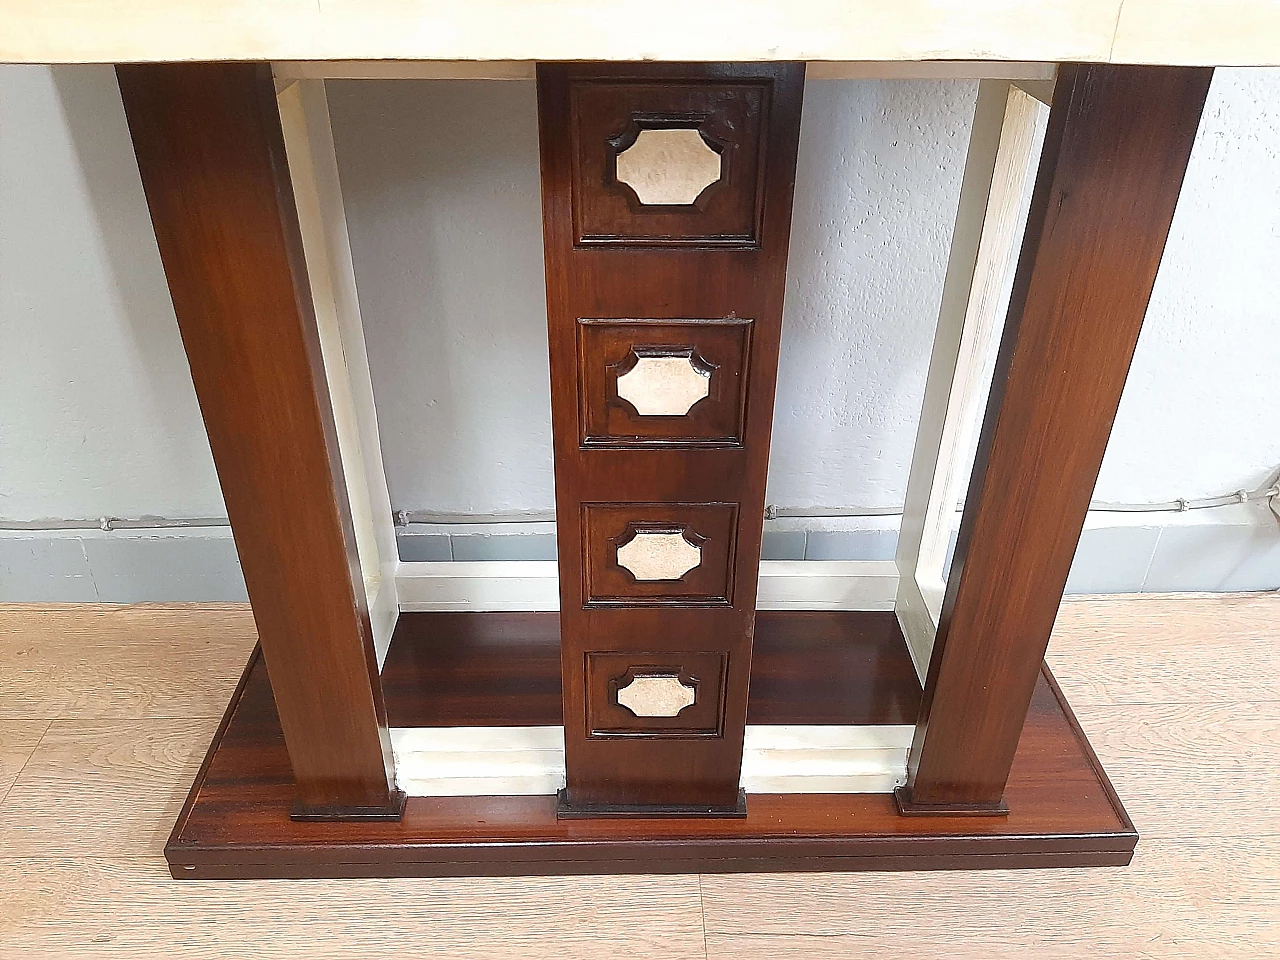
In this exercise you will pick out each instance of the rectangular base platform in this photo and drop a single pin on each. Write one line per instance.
(845, 667)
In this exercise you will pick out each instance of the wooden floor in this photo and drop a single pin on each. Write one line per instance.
(105, 713)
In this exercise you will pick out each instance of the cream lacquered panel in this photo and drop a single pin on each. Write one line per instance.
(1222, 33)
(105, 31)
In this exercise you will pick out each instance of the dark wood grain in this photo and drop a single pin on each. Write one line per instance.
(236, 823)
(503, 669)
(608, 258)
(1114, 157)
(729, 106)
(211, 155)
(606, 527)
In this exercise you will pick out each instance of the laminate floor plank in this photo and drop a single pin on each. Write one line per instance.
(18, 739)
(1179, 695)
(1192, 770)
(1167, 649)
(103, 787)
(1177, 899)
(100, 661)
(132, 910)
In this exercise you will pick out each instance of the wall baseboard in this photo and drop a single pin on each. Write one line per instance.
(1233, 549)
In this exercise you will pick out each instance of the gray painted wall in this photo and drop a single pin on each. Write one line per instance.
(97, 415)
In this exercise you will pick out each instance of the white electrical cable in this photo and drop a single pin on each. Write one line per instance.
(404, 518)
(116, 523)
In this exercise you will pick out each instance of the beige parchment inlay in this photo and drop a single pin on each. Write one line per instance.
(659, 555)
(668, 166)
(664, 386)
(656, 695)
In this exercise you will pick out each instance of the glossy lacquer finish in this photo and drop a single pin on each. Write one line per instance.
(694, 289)
(838, 667)
(1114, 157)
(503, 669)
(211, 154)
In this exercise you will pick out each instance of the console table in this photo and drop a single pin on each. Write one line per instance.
(659, 699)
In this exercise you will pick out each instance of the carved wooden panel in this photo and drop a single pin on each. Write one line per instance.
(617, 409)
(679, 694)
(621, 196)
(622, 565)
(661, 406)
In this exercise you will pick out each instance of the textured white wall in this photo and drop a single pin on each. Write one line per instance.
(97, 415)
(877, 185)
(97, 412)
(444, 210)
(1200, 414)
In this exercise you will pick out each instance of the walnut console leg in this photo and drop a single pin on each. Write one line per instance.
(1116, 149)
(666, 208)
(212, 158)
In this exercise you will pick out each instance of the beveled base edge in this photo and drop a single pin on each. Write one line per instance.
(391, 813)
(235, 823)
(568, 811)
(909, 808)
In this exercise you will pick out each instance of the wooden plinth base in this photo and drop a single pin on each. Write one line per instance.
(567, 811)
(236, 824)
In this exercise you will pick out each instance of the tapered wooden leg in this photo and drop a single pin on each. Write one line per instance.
(667, 204)
(1115, 153)
(211, 154)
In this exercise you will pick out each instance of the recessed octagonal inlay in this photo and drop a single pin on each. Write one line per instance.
(656, 695)
(664, 386)
(659, 555)
(668, 167)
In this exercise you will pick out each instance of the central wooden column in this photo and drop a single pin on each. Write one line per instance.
(666, 207)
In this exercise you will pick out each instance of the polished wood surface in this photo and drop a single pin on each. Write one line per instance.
(236, 822)
(503, 669)
(1114, 157)
(1207, 32)
(1178, 694)
(713, 272)
(213, 167)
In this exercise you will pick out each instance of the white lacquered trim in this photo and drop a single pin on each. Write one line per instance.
(827, 585)
(524, 70)
(995, 194)
(529, 761)
(918, 622)
(479, 761)
(403, 69)
(481, 585)
(384, 611)
(313, 170)
(825, 759)
(532, 585)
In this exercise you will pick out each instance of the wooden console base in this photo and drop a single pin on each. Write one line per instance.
(235, 824)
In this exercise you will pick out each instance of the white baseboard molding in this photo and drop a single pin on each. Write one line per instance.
(529, 761)
(531, 585)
